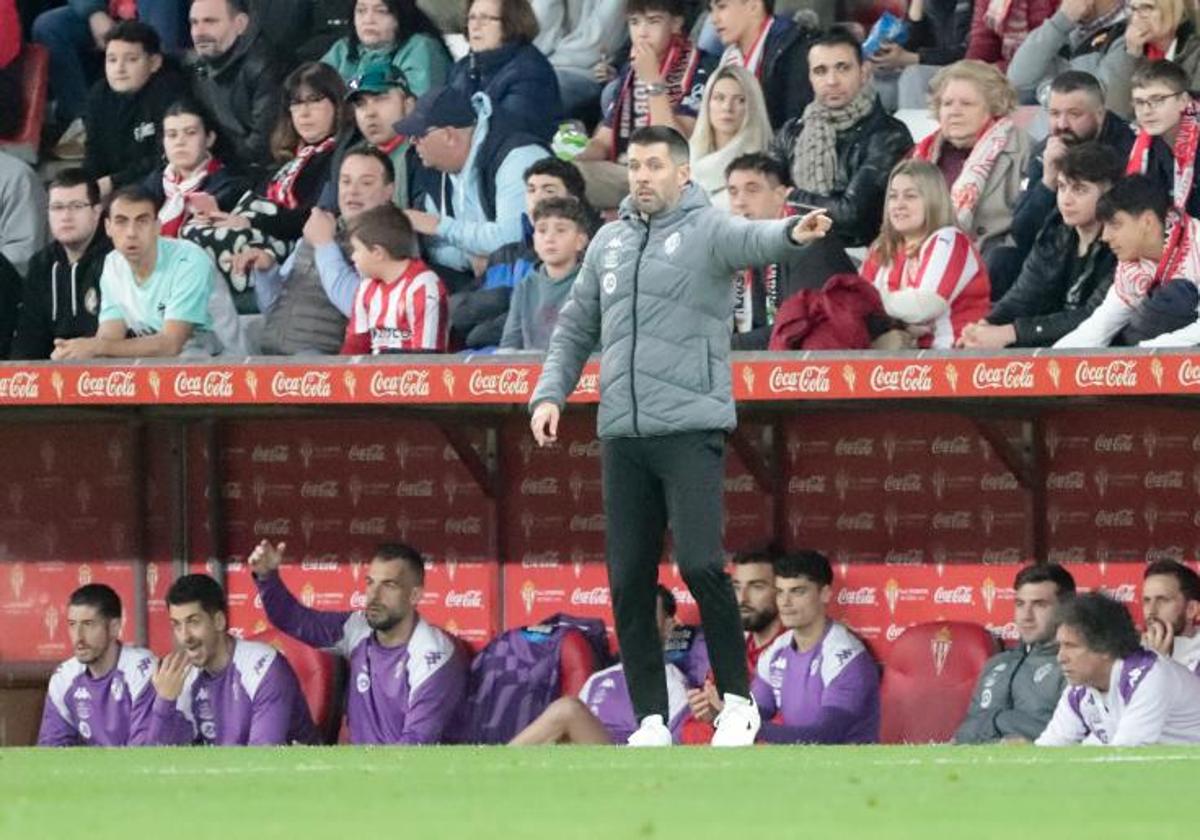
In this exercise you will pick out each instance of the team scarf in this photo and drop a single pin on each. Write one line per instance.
(997, 14)
(1184, 152)
(977, 169)
(754, 61)
(678, 68)
(282, 189)
(175, 192)
(1135, 279)
(743, 291)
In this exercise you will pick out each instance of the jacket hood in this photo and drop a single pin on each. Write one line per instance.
(692, 198)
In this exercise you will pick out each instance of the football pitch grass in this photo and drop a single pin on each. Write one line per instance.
(1016, 793)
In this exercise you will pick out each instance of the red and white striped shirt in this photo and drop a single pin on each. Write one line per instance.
(947, 264)
(406, 315)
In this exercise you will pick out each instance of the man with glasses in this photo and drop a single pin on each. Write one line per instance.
(61, 294)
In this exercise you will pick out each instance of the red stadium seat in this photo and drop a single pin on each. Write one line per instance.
(928, 678)
(35, 73)
(576, 662)
(321, 676)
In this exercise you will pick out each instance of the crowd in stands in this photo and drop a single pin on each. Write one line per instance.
(1080, 672)
(205, 164)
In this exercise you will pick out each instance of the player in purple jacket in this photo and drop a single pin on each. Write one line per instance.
(407, 677)
(603, 712)
(102, 696)
(215, 689)
(818, 681)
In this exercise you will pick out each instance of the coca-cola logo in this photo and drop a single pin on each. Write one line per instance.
(375, 526)
(909, 379)
(863, 596)
(320, 563)
(1006, 632)
(1073, 480)
(22, 385)
(952, 520)
(1122, 518)
(1189, 374)
(510, 382)
(957, 445)
(1001, 555)
(464, 526)
(409, 383)
(214, 384)
(1170, 552)
(908, 483)
(547, 486)
(1119, 373)
(993, 482)
(858, 447)
(1168, 480)
(319, 490)
(372, 453)
(540, 560)
(856, 522)
(909, 557)
(422, 489)
(272, 527)
(954, 595)
(1014, 376)
(810, 379)
(743, 483)
(1114, 443)
(118, 384)
(894, 632)
(309, 385)
(358, 601)
(1074, 554)
(597, 596)
(277, 454)
(469, 599)
(577, 449)
(587, 524)
(1126, 593)
(806, 485)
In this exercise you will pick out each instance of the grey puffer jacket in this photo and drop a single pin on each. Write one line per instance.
(656, 295)
(1016, 695)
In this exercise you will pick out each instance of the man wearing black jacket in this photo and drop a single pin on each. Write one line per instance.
(61, 293)
(236, 76)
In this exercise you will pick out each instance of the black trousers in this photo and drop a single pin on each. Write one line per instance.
(650, 483)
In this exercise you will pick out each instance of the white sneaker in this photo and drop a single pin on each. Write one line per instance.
(652, 733)
(738, 723)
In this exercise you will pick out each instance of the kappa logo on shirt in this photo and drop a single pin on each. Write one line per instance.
(82, 694)
(433, 657)
(843, 656)
(261, 663)
(363, 682)
(116, 689)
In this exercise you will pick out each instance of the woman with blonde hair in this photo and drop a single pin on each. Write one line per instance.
(977, 147)
(1157, 29)
(733, 121)
(927, 271)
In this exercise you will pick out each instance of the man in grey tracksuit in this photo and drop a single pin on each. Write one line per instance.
(1019, 688)
(655, 294)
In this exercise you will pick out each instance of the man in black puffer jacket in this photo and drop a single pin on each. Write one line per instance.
(842, 150)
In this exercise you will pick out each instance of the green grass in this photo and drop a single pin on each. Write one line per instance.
(1015, 793)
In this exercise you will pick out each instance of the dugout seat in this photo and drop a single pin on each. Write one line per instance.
(34, 62)
(322, 679)
(576, 662)
(927, 680)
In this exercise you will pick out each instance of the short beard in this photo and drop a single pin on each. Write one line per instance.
(386, 623)
(758, 620)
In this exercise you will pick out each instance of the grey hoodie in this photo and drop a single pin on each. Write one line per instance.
(1016, 695)
(656, 295)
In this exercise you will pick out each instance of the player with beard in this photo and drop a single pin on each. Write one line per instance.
(101, 697)
(217, 690)
(1171, 604)
(407, 677)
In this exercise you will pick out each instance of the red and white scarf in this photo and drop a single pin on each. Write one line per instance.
(632, 112)
(1184, 151)
(754, 60)
(282, 189)
(1135, 279)
(174, 211)
(743, 291)
(968, 187)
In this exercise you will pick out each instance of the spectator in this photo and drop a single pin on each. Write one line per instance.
(602, 713)
(819, 678)
(758, 188)
(408, 677)
(61, 293)
(192, 183)
(1157, 29)
(937, 36)
(1120, 694)
(400, 305)
(76, 35)
(576, 37)
(1168, 137)
(22, 212)
(1078, 36)
(980, 152)
(125, 109)
(841, 151)
(303, 143)
(218, 690)
(393, 32)
(380, 98)
(1070, 269)
(470, 189)
(101, 696)
(504, 64)
(306, 301)
(163, 291)
(1000, 26)
(1018, 689)
(655, 87)
(733, 122)
(1153, 299)
(478, 315)
(11, 97)
(927, 270)
(560, 236)
(772, 47)
(237, 78)
(1171, 605)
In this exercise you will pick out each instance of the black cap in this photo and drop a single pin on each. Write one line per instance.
(443, 107)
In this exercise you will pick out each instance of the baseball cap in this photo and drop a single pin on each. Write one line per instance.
(377, 78)
(443, 107)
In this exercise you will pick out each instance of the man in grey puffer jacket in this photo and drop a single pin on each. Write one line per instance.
(1019, 689)
(655, 293)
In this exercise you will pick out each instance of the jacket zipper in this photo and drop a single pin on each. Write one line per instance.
(637, 267)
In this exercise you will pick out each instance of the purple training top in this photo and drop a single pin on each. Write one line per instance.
(399, 695)
(826, 695)
(254, 701)
(606, 694)
(111, 711)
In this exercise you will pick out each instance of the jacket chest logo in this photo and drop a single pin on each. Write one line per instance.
(672, 243)
(609, 283)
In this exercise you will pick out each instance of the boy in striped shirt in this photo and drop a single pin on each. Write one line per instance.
(401, 305)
